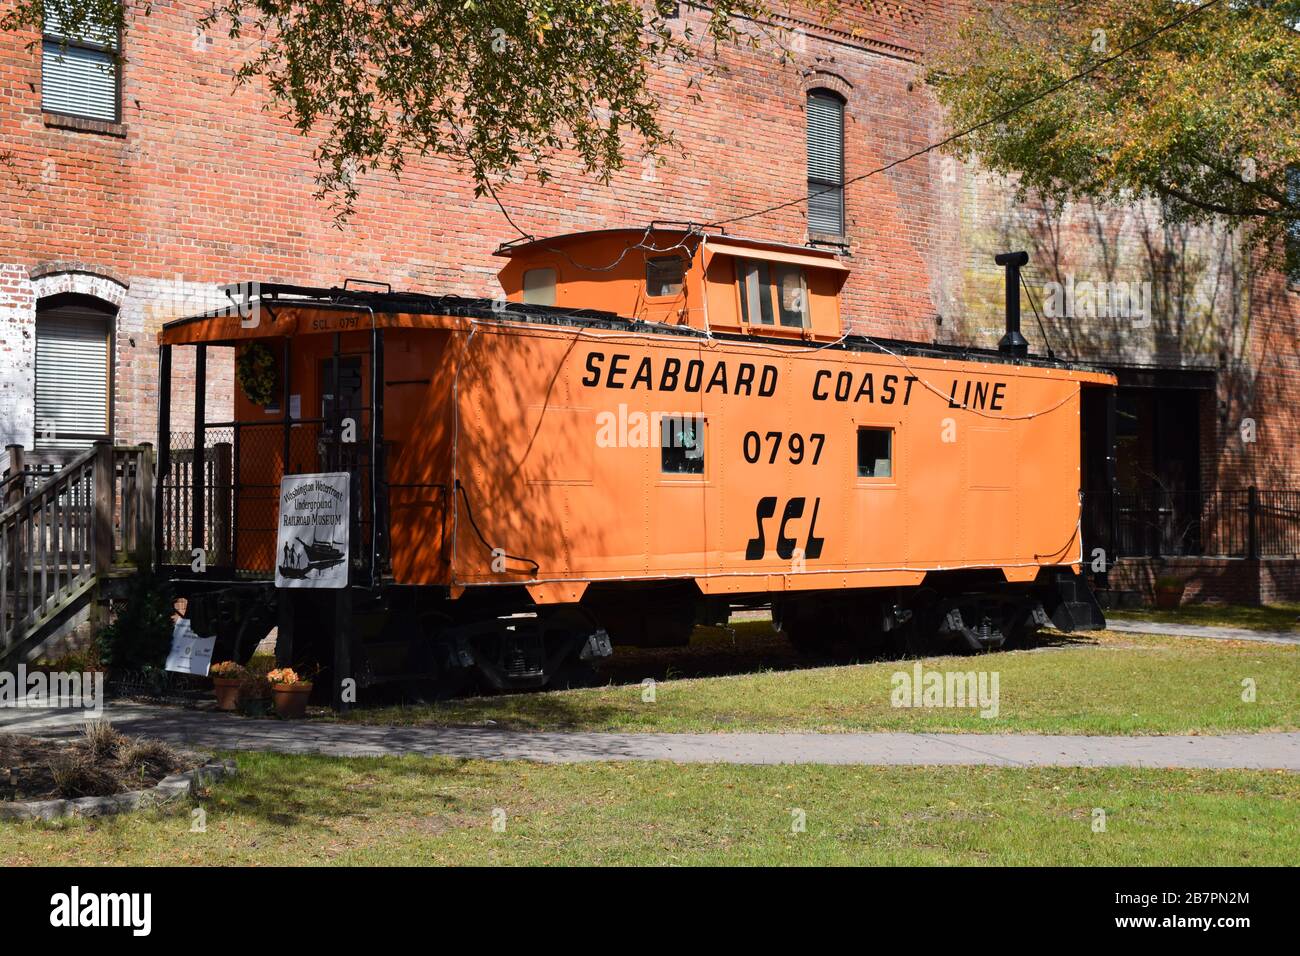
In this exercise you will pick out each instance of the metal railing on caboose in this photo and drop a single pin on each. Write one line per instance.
(225, 500)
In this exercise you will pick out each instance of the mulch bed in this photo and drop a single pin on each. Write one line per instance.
(33, 768)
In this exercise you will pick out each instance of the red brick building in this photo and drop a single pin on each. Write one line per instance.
(119, 220)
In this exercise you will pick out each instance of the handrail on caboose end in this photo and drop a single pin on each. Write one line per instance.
(218, 524)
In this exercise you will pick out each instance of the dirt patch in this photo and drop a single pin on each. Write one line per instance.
(100, 763)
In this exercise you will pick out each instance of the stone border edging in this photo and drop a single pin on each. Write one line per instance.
(166, 790)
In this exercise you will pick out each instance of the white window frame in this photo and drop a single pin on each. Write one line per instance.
(53, 41)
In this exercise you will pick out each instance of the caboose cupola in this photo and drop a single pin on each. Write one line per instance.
(682, 275)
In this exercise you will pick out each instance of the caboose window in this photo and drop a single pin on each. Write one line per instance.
(791, 296)
(664, 275)
(755, 291)
(539, 287)
(682, 445)
(875, 452)
(771, 292)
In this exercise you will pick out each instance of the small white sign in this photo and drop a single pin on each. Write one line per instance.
(190, 653)
(312, 546)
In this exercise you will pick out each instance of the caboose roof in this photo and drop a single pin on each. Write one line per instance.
(300, 310)
(656, 233)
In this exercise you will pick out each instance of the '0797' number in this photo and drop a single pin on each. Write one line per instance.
(795, 444)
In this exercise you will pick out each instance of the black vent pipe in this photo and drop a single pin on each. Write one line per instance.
(1013, 343)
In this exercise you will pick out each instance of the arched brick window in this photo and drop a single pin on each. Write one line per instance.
(825, 163)
(73, 371)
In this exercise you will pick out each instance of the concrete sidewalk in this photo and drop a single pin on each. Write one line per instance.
(1207, 631)
(211, 730)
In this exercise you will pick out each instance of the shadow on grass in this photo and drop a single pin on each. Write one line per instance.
(545, 710)
(753, 647)
(1050, 640)
(311, 791)
(745, 648)
(748, 647)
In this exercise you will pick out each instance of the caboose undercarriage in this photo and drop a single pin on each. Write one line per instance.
(420, 640)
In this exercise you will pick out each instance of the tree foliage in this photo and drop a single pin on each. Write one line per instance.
(502, 86)
(1204, 116)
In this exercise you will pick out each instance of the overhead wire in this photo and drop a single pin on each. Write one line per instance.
(982, 124)
(694, 230)
(939, 144)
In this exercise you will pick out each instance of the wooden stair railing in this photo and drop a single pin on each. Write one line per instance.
(58, 540)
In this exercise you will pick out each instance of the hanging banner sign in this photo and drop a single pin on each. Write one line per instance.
(312, 546)
(190, 653)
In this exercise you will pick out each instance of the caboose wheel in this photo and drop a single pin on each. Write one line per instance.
(572, 675)
(1028, 620)
(851, 626)
(921, 638)
(810, 633)
(809, 638)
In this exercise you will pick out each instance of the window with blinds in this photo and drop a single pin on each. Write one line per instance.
(72, 376)
(79, 74)
(825, 163)
(1292, 245)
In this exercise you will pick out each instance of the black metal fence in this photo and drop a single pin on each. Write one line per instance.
(1238, 523)
(239, 487)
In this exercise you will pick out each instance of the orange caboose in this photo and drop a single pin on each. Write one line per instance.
(648, 429)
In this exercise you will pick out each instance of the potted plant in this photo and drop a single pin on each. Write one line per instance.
(254, 691)
(227, 677)
(1169, 591)
(289, 692)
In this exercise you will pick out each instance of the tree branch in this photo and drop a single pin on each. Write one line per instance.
(1223, 209)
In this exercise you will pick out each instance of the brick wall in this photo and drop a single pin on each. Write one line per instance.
(17, 355)
(199, 186)
(1212, 580)
(1263, 385)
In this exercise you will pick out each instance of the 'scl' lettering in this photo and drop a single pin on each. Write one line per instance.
(785, 545)
(758, 546)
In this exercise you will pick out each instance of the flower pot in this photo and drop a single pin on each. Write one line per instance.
(226, 690)
(291, 699)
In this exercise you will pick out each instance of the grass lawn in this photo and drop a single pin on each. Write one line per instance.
(1105, 683)
(411, 810)
(1273, 617)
